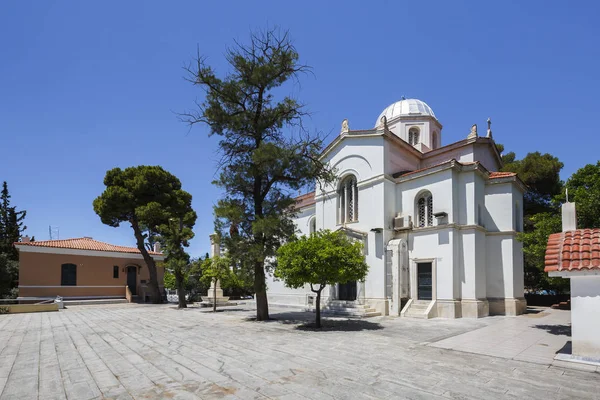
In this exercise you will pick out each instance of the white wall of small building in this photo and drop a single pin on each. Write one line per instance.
(585, 316)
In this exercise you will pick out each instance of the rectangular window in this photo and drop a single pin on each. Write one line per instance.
(68, 275)
(115, 272)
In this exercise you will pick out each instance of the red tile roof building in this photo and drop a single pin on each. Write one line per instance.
(573, 250)
(84, 243)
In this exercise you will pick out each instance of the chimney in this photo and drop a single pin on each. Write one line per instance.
(25, 239)
(157, 247)
(569, 217)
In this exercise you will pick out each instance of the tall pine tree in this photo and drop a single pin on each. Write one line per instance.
(266, 155)
(11, 229)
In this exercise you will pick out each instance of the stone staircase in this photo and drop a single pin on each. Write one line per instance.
(89, 302)
(417, 309)
(350, 309)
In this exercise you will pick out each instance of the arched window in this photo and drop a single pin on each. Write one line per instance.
(348, 200)
(434, 140)
(312, 225)
(413, 136)
(425, 210)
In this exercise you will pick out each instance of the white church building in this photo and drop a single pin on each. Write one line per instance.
(439, 224)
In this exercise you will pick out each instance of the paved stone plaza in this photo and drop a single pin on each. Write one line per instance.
(156, 352)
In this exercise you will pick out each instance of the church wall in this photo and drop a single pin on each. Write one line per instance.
(498, 216)
(371, 216)
(486, 156)
(277, 292)
(438, 244)
(466, 198)
(461, 154)
(397, 159)
(440, 186)
(499, 263)
(360, 156)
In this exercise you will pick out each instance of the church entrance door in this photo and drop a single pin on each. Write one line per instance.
(347, 291)
(424, 281)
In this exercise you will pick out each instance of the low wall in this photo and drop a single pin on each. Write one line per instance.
(71, 291)
(29, 308)
(545, 300)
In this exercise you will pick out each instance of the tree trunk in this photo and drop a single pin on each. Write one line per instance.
(318, 309)
(180, 291)
(260, 289)
(215, 296)
(155, 296)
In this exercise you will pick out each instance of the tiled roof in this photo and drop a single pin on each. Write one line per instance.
(492, 175)
(573, 250)
(84, 243)
(305, 200)
(496, 174)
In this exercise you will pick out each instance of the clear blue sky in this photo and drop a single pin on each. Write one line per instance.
(88, 86)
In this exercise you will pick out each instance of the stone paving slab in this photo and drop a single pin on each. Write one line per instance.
(155, 352)
(535, 337)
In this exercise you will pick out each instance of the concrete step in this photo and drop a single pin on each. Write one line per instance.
(344, 302)
(349, 310)
(418, 309)
(370, 313)
(415, 315)
(346, 308)
(89, 302)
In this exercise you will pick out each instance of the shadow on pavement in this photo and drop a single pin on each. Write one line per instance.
(559, 330)
(566, 349)
(305, 321)
(350, 325)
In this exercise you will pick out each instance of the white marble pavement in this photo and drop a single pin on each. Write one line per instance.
(146, 351)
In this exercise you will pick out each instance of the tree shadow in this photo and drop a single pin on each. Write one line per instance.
(221, 310)
(348, 325)
(305, 321)
(290, 317)
(559, 330)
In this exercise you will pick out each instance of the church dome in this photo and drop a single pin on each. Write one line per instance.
(405, 108)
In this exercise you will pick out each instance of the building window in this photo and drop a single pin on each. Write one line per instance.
(518, 218)
(68, 275)
(348, 200)
(312, 225)
(413, 136)
(425, 210)
(116, 272)
(434, 141)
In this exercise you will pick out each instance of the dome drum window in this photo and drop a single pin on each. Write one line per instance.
(413, 136)
(348, 201)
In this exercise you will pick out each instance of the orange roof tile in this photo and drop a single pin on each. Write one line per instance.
(497, 174)
(305, 200)
(84, 243)
(573, 250)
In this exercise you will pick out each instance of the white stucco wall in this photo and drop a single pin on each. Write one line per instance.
(440, 186)
(486, 156)
(498, 215)
(585, 316)
(436, 243)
